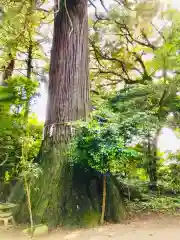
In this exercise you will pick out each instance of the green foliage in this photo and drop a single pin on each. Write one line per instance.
(30, 170)
(22, 88)
(100, 146)
(18, 29)
(29, 173)
(170, 177)
(156, 204)
(13, 125)
(5, 95)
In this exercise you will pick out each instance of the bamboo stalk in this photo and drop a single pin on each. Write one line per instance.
(29, 203)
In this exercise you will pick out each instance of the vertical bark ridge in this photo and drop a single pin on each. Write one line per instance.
(69, 84)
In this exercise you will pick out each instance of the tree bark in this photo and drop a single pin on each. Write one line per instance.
(8, 69)
(68, 78)
(68, 100)
(103, 200)
(29, 73)
(153, 162)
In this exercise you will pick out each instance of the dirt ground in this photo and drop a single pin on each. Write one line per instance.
(147, 227)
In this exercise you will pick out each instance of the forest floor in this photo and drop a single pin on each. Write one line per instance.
(142, 228)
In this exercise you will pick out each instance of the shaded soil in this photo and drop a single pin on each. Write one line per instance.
(155, 227)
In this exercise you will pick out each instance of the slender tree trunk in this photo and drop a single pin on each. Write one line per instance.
(103, 200)
(153, 161)
(28, 195)
(8, 69)
(29, 60)
(29, 72)
(152, 168)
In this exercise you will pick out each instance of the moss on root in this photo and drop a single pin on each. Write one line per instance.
(66, 195)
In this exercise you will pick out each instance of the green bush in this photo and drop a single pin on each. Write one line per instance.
(156, 204)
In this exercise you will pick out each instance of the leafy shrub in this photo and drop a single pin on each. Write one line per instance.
(100, 146)
(156, 204)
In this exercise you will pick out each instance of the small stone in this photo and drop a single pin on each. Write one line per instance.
(40, 230)
(26, 231)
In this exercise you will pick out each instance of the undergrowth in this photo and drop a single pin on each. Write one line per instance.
(157, 204)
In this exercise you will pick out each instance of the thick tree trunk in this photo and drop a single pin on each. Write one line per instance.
(66, 194)
(68, 83)
(68, 101)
